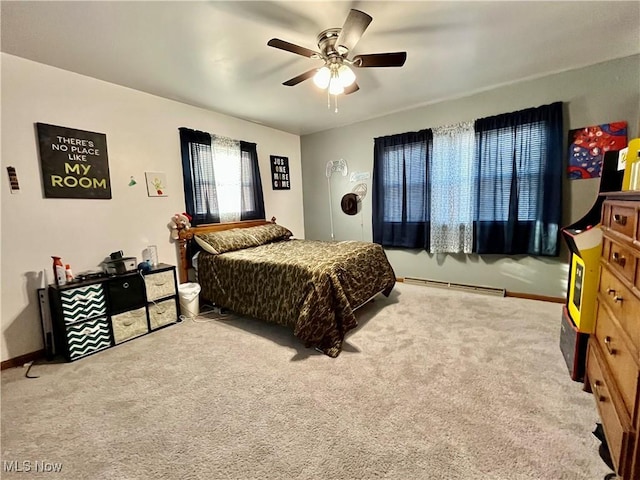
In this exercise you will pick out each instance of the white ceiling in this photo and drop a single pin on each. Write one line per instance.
(214, 54)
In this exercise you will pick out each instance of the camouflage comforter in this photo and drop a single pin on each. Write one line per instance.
(313, 287)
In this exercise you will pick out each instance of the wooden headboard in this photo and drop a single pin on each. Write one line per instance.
(186, 234)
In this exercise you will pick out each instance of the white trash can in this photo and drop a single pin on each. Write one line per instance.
(189, 299)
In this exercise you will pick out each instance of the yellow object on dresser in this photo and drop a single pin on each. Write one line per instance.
(613, 359)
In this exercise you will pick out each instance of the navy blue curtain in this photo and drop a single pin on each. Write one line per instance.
(252, 198)
(198, 175)
(400, 190)
(519, 196)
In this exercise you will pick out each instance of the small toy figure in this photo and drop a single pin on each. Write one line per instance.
(180, 221)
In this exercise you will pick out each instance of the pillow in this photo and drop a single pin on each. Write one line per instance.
(203, 244)
(238, 238)
(270, 233)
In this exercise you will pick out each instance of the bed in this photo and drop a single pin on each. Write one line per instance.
(256, 269)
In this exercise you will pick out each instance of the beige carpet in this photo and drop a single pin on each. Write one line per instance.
(434, 384)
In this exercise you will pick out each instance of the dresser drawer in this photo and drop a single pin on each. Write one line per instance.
(82, 303)
(160, 285)
(621, 259)
(620, 359)
(126, 293)
(615, 420)
(622, 303)
(163, 313)
(88, 337)
(129, 325)
(621, 217)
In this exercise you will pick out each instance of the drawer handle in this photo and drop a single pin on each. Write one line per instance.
(596, 390)
(611, 291)
(128, 323)
(607, 343)
(618, 298)
(620, 219)
(125, 285)
(619, 259)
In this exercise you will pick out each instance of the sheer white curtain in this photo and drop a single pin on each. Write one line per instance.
(227, 164)
(452, 188)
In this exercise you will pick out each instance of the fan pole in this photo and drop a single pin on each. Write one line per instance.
(333, 238)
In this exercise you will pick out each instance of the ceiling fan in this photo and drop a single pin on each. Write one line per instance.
(335, 45)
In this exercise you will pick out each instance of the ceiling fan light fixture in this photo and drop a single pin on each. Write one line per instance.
(346, 76)
(335, 86)
(322, 77)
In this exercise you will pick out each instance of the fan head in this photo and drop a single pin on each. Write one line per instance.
(327, 41)
(335, 45)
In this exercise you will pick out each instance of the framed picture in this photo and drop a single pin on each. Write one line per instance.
(588, 145)
(280, 173)
(74, 162)
(156, 184)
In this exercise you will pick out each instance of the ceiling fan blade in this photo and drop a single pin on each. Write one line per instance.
(300, 78)
(290, 47)
(353, 28)
(392, 59)
(351, 88)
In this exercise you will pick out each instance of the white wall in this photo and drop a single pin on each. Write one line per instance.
(142, 135)
(602, 93)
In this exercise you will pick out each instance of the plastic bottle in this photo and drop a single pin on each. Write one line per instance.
(58, 271)
(152, 252)
(68, 273)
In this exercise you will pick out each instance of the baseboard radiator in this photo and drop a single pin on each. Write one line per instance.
(500, 292)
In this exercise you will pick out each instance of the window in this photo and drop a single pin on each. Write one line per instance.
(519, 200)
(221, 178)
(405, 182)
(494, 186)
(400, 210)
(506, 154)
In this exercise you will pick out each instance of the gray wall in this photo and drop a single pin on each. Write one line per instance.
(598, 94)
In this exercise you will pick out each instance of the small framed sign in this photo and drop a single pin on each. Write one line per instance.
(280, 173)
(74, 162)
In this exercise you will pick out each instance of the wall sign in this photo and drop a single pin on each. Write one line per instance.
(280, 173)
(74, 163)
(13, 180)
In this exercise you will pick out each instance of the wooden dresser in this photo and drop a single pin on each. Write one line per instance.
(613, 359)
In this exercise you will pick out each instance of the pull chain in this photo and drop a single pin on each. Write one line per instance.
(335, 102)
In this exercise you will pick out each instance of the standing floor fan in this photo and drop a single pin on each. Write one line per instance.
(334, 166)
